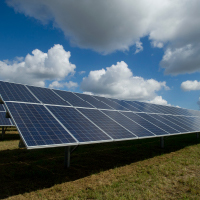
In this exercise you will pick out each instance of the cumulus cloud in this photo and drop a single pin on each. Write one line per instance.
(182, 60)
(190, 85)
(36, 68)
(139, 47)
(118, 81)
(157, 44)
(106, 26)
(69, 85)
(159, 100)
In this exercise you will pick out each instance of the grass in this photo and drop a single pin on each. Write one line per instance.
(123, 170)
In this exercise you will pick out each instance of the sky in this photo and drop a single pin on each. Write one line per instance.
(146, 50)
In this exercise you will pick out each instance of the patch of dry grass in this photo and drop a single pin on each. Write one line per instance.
(123, 170)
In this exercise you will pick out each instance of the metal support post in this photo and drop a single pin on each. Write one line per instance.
(197, 134)
(21, 143)
(3, 133)
(67, 157)
(162, 142)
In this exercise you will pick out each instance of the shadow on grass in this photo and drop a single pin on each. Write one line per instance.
(10, 136)
(24, 170)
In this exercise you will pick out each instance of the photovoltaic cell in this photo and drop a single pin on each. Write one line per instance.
(47, 96)
(73, 99)
(129, 124)
(142, 106)
(111, 103)
(4, 121)
(126, 105)
(92, 100)
(37, 125)
(175, 120)
(1, 107)
(163, 123)
(16, 92)
(193, 122)
(146, 124)
(78, 125)
(105, 123)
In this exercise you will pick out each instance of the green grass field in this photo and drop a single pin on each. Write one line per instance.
(123, 170)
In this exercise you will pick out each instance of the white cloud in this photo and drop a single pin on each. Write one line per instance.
(159, 100)
(190, 85)
(69, 85)
(118, 81)
(157, 44)
(36, 68)
(139, 47)
(106, 26)
(82, 72)
(182, 60)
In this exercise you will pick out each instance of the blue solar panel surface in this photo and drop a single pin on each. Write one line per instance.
(16, 92)
(111, 103)
(132, 126)
(170, 123)
(73, 99)
(37, 126)
(47, 96)
(190, 121)
(127, 106)
(108, 125)
(92, 100)
(144, 107)
(63, 122)
(2, 107)
(146, 124)
(78, 125)
(4, 121)
(175, 120)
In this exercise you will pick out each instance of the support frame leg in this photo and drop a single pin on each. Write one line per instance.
(162, 143)
(67, 157)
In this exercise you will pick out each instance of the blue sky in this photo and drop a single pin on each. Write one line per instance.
(141, 50)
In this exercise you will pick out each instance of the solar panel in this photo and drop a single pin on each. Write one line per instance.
(50, 118)
(37, 126)
(112, 128)
(73, 99)
(95, 102)
(153, 127)
(81, 128)
(132, 126)
(175, 120)
(15, 92)
(162, 122)
(111, 103)
(5, 121)
(47, 96)
(144, 107)
(193, 122)
(2, 107)
(126, 105)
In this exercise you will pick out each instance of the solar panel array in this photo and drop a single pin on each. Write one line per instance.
(49, 118)
(3, 120)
